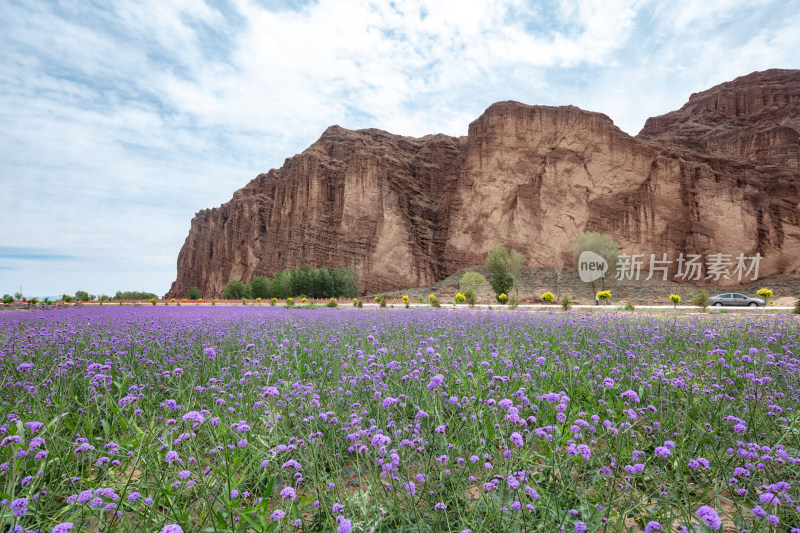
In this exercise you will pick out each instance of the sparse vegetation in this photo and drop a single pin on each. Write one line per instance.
(566, 303)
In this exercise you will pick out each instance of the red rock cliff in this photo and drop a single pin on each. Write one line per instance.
(408, 212)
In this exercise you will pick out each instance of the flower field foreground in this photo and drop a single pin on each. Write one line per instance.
(268, 419)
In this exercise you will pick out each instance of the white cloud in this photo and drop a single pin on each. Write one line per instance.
(121, 121)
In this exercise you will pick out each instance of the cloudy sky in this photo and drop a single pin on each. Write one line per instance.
(120, 120)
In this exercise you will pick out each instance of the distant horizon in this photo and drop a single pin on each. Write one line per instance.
(124, 120)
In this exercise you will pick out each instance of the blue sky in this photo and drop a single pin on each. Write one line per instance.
(122, 119)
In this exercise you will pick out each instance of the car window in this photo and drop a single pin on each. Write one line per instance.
(724, 295)
(740, 296)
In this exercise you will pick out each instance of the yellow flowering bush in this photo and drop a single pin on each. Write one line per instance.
(764, 293)
(548, 297)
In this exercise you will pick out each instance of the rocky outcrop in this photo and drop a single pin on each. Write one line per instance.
(407, 212)
(756, 117)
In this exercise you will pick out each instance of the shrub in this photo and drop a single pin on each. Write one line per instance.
(470, 297)
(273, 301)
(797, 306)
(513, 301)
(701, 299)
(214, 302)
(153, 301)
(258, 300)
(332, 303)
(434, 301)
(502, 298)
(675, 299)
(405, 302)
(303, 300)
(628, 305)
(566, 303)
(548, 297)
(358, 303)
(289, 302)
(764, 293)
(235, 290)
(381, 301)
(244, 301)
(472, 280)
(460, 298)
(604, 295)
(193, 292)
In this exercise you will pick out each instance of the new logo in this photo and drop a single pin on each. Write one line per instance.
(591, 266)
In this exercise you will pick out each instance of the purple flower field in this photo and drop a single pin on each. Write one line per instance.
(120, 419)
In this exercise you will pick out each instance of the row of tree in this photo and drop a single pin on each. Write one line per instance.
(309, 282)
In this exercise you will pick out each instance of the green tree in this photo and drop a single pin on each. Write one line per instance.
(601, 244)
(7, 298)
(261, 287)
(498, 262)
(701, 299)
(134, 295)
(301, 281)
(282, 284)
(18, 295)
(345, 282)
(469, 297)
(472, 280)
(235, 290)
(322, 285)
(82, 296)
(517, 261)
(193, 293)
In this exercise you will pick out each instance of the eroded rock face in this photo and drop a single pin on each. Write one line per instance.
(754, 117)
(408, 212)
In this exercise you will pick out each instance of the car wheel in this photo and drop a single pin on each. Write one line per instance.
(718, 304)
(752, 304)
